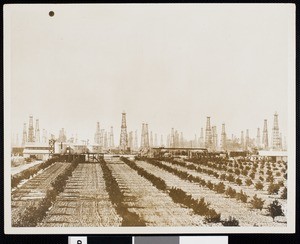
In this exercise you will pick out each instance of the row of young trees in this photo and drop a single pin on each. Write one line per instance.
(36, 212)
(272, 189)
(116, 196)
(256, 203)
(243, 168)
(199, 207)
(27, 173)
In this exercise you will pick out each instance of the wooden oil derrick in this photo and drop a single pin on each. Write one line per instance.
(123, 135)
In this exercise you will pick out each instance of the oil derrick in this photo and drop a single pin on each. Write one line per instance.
(214, 138)
(168, 141)
(97, 134)
(247, 141)
(37, 131)
(143, 136)
(62, 136)
(44, 140)
(208, 134)
(30, 130)
(258, 138)
(155, 140)
(105, 141)
(181, 140)
(176, 139)
(146, 136)
(71, 139)
(108, 140)
(24, 138)
(275, 134)
(111, 138)
(202, 144)
(76, 139)
(280, 140)
(242, 140)
(151, 139)
(101, 140)
(135, 140)
(161, 140)
(265, 139)
(172, 139)
(195, 141)
(123, 135)
(130, 140)
(223, 138)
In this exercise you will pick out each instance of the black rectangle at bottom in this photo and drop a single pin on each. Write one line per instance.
(109, 240)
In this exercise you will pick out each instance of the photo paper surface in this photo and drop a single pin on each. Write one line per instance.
(149, 118)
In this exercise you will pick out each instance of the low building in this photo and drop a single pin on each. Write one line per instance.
(17, 151)
(79, 148)
(274, 155)
(94, 148)
(238, 153)
(36, 150)
(178, 152)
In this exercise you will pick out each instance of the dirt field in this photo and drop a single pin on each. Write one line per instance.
(84, 200)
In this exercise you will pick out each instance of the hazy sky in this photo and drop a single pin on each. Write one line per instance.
(168, 65)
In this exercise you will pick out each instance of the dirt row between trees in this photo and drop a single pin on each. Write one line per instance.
(151, 204)
(84, 201)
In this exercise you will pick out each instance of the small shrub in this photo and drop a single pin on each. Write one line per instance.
(223, 177)
(212, 216)
(230, 178)
(259, 186)
(249, 182)
(273, 189)
(219, 188)
(230, 192)
(269, 172)
(275, 209)
(257, 203)
(284, 193)
(201, 207)
(231, 221)
(209, 185)
(238, 181)
(242, 196)
(252, 176)
(216, 175)
(281, 183)
(270, 178)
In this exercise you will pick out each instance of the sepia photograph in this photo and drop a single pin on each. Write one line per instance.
(149, 118)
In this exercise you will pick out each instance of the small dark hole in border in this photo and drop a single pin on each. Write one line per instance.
(51, 13)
